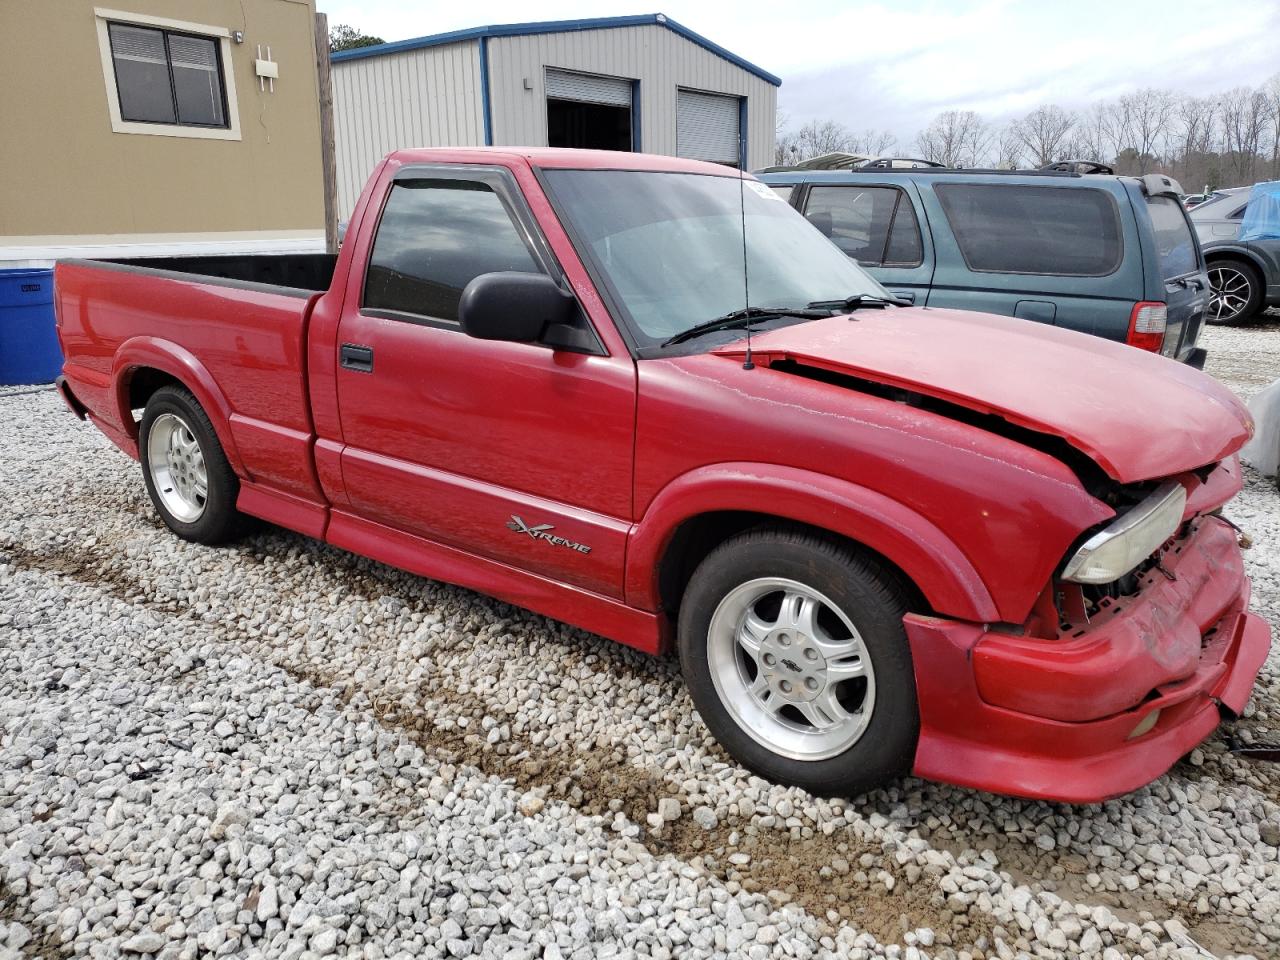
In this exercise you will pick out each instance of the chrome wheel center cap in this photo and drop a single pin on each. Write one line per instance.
(793, 666)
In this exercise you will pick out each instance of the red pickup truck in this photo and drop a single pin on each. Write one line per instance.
(883, 539)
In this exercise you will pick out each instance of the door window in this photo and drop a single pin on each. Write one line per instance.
(1052, 231)
(435, 237)
(875, 226)
(1173, 237)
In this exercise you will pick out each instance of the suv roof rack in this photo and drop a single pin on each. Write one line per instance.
(1085, 167)
(942, 171)
(855, 161)
(901, 163)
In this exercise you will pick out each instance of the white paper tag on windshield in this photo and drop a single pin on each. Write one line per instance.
(761, 189)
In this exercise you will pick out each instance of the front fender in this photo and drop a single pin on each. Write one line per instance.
(922, 551)
(183, 366)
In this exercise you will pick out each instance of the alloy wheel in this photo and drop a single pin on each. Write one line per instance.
(1232, 291)
(177, 467)
(791, 669)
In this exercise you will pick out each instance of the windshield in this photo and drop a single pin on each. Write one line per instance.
(669, 245)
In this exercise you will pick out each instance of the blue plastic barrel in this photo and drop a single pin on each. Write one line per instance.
(29, 351)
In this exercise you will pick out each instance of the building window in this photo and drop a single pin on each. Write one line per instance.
(167, 77)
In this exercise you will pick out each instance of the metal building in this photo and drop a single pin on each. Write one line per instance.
(643, 83)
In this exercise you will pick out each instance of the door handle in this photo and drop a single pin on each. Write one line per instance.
(907, 295)
(352, 356)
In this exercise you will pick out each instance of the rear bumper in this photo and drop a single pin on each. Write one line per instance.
(1065, 727)
(1196, 357)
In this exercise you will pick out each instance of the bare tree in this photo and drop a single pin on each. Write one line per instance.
(1244, 120)
(1137, 122)
(1091, 138)
(1191, 139)
(874, 142)
(786, 149)
(826, 136)
(1045, 132)
(1271, 95)
(1230, 139)
(956, 138)
(1009, 148)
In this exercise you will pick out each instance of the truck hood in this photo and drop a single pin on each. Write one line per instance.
(1139, 416)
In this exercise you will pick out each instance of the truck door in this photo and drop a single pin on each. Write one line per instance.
(511, 451)
(877, 225)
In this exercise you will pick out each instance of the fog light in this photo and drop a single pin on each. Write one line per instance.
(1145, 724)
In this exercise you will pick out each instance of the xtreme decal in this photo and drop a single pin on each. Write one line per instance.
(543, 532)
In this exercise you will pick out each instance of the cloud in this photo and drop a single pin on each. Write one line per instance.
(895, 65)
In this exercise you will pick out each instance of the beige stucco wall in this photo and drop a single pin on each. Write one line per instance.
(65, 174)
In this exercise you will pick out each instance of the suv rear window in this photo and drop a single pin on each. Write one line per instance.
(1173, 237)
(1054, 231)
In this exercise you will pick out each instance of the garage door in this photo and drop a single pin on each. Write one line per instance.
(707, 127)
(588, 88)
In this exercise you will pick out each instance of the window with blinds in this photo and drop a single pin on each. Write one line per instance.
(168, 77)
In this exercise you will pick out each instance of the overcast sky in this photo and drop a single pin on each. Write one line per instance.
(895, 65)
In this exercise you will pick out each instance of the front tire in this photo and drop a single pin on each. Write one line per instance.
(1237, 292)
(188, 478)
(793, 649)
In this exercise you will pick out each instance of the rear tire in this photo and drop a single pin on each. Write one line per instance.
(1237, 291)
(188, 478)
(793, 649)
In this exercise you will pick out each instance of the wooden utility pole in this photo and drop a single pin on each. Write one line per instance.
(327, 158)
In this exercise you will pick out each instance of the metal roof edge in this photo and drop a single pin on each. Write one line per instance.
(555, 26)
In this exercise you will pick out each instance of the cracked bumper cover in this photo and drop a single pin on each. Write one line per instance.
(1053, 719)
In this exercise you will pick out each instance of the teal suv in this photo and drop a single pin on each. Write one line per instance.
(1112, 256)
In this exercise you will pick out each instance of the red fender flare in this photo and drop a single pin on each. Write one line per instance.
(182, 365)
(927, 555)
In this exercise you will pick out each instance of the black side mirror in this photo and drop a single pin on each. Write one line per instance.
(513, 306)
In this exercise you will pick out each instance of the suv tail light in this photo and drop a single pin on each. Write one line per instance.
(1146, 326)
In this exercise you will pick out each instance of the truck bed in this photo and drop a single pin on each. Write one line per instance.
(231, 329)
(309, 272)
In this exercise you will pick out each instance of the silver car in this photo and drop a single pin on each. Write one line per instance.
(1245, 277)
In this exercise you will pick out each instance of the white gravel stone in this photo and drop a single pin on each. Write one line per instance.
(394, 768)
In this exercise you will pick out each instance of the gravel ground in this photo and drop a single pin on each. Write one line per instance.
(279, 749)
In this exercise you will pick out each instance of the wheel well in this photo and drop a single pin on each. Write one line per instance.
(1238, 255)
(696, 537)
(145, 381)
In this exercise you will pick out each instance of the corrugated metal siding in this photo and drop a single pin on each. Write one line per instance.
(419, 98)
(660, 59)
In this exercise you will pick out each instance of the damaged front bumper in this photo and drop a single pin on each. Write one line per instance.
(1108, 706)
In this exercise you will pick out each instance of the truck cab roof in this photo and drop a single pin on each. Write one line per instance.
(563, 158)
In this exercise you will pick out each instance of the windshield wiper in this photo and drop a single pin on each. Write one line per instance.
(741, 318)
(857, 301)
